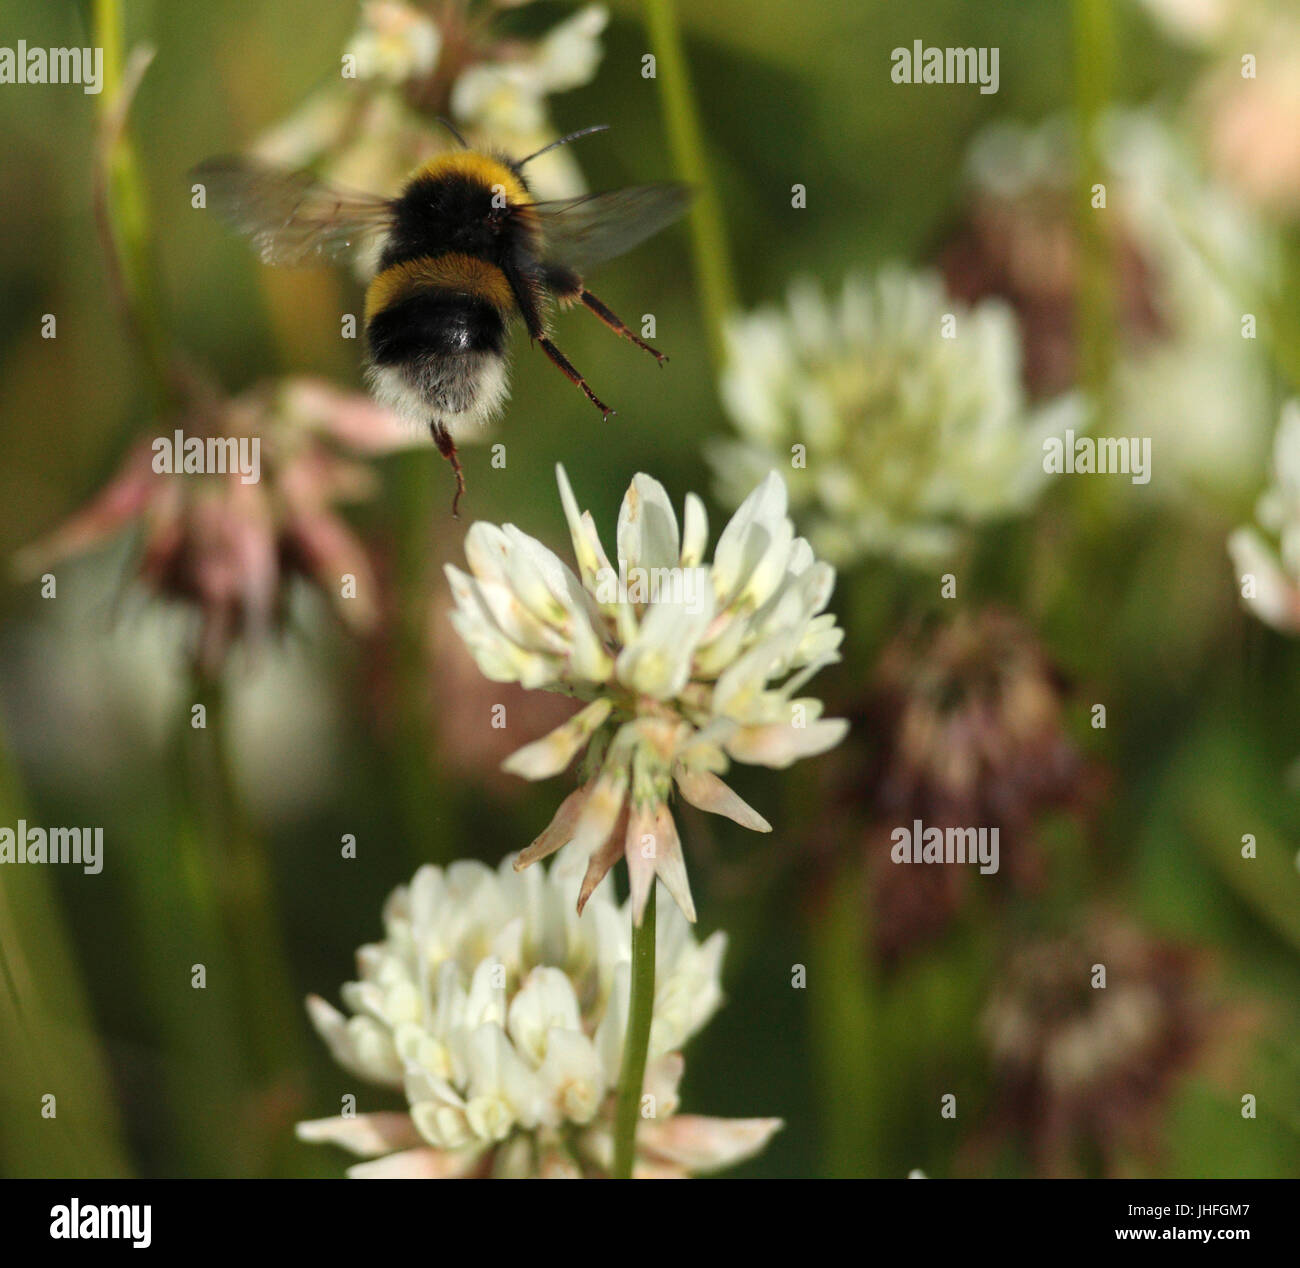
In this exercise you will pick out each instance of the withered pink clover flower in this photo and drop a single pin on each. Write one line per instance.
(229, 546)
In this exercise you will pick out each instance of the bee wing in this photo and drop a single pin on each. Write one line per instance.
(290, 216)
(579, 232)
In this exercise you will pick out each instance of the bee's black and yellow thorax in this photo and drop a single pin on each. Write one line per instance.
(442, 284)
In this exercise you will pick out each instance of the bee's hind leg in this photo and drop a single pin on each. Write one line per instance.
(565, 286)
(447, 447)
(571, 374)
(617, 325)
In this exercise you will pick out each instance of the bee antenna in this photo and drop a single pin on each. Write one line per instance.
(446, 123)
(564, 140)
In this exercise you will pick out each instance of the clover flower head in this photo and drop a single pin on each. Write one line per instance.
(1185, 245)
(1194, 22)
(226, 545)
(898, 411)
(395, 42)
(683, 666)
(1084, 1072)
(501, 1014)
(507, 94)
(1249, 123)
(1245, 122)
(1270, 574)
(970, 726)
(411, 63)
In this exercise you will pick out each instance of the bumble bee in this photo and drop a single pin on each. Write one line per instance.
(463, 248)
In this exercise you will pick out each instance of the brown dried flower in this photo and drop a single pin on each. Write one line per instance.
(968, 722)
(1088, 1035)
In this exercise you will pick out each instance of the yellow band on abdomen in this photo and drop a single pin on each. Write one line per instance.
(460, 274)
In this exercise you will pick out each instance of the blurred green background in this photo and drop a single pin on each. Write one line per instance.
(1140, 611)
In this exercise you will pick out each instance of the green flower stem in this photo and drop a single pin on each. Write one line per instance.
(238, 873)
(175, 917)
(48, 1044)
(202, 897)
(708, 229)
(421, 795)
(631, 1078)
(1094, 72)
(1282, 327)
(842, 998)
(241, 875)
(1094, 58)
(121, 207)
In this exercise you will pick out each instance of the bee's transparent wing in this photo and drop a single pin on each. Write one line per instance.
(580, 232)
(290, 216)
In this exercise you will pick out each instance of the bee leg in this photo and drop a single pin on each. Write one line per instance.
(526, 294)
(447, 447)
(571, 374)
(617, 325)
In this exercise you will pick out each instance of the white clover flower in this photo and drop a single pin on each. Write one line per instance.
(501, 1016)
(684, 665)
(1195, 22)
(1195, 257)
(894, 435)
(1201, 390)
(1274, 572)
(508, 96)
(1244, 122)
(410, 63)
(395, 42)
